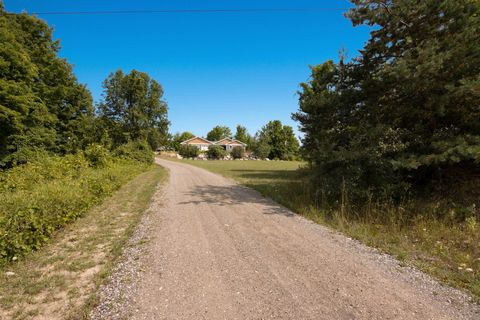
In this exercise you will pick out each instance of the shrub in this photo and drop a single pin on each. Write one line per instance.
(40, 197)
(97, 155)
(135, 150)
(216, 152)
(188, 151)
(262, 150)
(238, 152)
(24, 155)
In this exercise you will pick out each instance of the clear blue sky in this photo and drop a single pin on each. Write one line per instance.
(215, 68)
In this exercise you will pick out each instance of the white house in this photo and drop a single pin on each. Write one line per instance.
(227, 143)
(198, 142)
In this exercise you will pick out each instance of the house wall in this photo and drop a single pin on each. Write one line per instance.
(202, 147)
(229, 147)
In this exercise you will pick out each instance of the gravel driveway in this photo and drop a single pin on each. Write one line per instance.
(222, 251)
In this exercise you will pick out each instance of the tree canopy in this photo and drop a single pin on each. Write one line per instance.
(218, 133)
(241, 134)
(44, 109)
(42, 105)
(178, 138)
(404, 112)
(133, 109)
(280, 139)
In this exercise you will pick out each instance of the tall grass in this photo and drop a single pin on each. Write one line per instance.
(40, 197)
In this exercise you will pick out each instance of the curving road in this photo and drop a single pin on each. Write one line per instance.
(222, 251)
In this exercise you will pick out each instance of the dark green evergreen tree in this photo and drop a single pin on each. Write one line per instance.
(407, 110)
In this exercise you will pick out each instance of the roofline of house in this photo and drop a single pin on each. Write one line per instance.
(238, 142)
(186, 141)
(231, 140)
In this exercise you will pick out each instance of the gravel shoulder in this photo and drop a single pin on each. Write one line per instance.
(218, 250)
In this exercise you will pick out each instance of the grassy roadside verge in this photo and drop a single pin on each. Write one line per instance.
(448, 250)
(45, 195)
(58, 280)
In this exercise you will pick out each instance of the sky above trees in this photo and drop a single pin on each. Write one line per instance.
(215, 68)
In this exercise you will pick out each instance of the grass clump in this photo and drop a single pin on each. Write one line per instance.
(42, 196)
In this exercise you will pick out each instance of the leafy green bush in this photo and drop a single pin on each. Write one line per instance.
(261, 150)
(238, 152)
(40, 197)
(188, 151)
(97, 155)
(24, 155)
(135, 150)
(216, 152)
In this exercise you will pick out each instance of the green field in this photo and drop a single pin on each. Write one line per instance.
(286, 182)
(257, 174)
(447, 250)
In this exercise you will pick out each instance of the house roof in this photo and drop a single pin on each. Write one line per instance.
(196, 140)
(222, 142)
(228, 141)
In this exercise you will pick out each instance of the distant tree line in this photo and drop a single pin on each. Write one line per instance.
(44, 109)
(273, 141)
(406, 112)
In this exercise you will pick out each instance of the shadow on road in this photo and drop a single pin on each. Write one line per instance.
(232, 195)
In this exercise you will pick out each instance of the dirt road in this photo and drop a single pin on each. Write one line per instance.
(222, 251)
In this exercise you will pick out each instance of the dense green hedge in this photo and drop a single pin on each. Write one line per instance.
(238, 152)
(216, 152)
(40, 197)
(189, 151)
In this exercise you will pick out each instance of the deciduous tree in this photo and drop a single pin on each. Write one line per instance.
(218, 133)
(179, 138)
(133, 109)
(42, 105)
(281, 140)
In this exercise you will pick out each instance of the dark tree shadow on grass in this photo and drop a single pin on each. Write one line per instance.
(270, 174)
